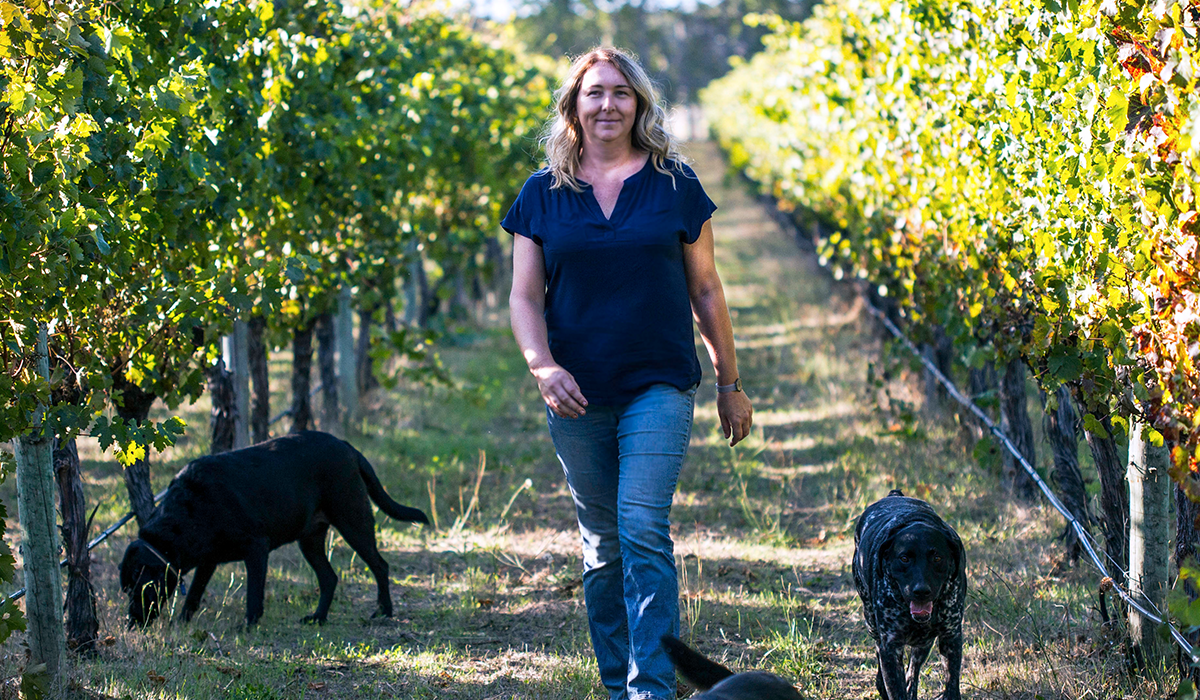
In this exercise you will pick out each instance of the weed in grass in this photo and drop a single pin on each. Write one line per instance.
(765, 521)
(465, 513)
(794, 652)
(528, 483)
(253, 691)
(691, 593)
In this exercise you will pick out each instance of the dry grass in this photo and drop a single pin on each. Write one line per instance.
(489, 606)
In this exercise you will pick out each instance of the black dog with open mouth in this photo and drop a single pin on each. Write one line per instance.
(240, 505)
(910, 571)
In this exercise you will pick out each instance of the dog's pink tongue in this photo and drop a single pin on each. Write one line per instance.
(921, 609)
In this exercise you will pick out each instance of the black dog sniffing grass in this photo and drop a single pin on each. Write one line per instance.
(910, 571)
(719, 683)
(240, 505)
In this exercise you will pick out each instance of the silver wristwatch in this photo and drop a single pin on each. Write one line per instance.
(729, 388)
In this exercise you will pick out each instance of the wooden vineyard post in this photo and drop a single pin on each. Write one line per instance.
(412, 287)
(327, 366)
(39, 542)
(1014, 420)
(1149, 534)
(241, 383)
(1114, 496)
(301, 376)
(222, 420)
(347, 358)
(236, 350)
(365, 369)
(1059, 422)
(82, 627)
(257, 364)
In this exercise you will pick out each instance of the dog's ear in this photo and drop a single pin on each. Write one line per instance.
(129, 566)
(956, 548)
(883, 554)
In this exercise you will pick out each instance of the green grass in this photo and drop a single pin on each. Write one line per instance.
(488, 604)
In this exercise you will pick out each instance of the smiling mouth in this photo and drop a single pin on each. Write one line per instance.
(921, 612)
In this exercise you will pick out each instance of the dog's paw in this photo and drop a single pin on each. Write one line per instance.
(380, 613)
(312, 620)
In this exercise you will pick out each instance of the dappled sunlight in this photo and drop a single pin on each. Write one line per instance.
(790, 338)
(819, 321)
(740, 296)
(834, 412)
(506, 546)
(522, 666)
(788, 416)
(798, 442)
(716, 545)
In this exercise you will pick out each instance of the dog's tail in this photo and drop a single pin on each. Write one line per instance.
(382, 499)
(695, 667)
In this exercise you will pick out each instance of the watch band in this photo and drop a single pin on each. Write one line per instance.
(729, 388)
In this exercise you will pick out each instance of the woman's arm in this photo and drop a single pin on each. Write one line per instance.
(527, 302)
(716, 329)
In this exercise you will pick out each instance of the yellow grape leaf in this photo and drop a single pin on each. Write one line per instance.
(8, 12)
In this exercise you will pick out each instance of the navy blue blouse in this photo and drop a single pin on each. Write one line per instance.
(617, 312)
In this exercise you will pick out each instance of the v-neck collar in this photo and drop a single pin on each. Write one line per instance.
(591, 192)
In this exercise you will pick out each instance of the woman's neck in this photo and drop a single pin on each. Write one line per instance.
(602, 157)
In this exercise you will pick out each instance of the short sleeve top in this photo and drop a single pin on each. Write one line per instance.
(617, 310)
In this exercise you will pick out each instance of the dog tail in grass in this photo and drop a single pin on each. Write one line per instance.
(695, 667)
(382, 499)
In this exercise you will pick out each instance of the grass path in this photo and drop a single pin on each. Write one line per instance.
(489, 603)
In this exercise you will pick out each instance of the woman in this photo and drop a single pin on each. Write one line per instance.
(613, 247)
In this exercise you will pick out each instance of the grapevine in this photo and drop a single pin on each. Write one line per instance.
(254, 159)
(1019, 174)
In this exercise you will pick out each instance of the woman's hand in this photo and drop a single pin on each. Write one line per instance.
(736, 415)
(559, 391)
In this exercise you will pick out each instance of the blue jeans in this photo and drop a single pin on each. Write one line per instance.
(622, 464)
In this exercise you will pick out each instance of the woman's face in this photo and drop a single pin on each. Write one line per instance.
(607, 105)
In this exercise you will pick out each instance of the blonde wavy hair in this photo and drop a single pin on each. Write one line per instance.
(562, 139)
